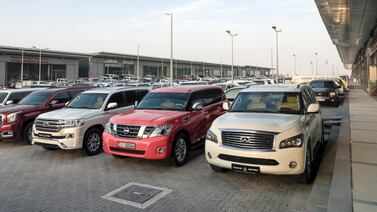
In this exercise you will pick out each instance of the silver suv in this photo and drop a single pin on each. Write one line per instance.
(80, 124)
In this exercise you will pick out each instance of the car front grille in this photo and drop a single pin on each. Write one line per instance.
(248, 140)
(255, 161)
(322, 93)
(127, 131)
(46, 125)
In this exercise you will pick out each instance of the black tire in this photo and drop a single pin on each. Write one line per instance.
(27, 133)
(308, 174)
(180, 150)
(218, 169)
(92, 144)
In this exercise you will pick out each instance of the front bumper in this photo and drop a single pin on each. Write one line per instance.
(269, 162)
(326, 99)
(144, 148)
(6, 131)
(60, 139)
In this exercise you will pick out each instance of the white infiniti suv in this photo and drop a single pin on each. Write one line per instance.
(272, 129)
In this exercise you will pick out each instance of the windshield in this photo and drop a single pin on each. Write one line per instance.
(232, 94)
(35, 98)
(322, 84)
(2, 96)
(267, 102)
(164, 101)
(88, 101)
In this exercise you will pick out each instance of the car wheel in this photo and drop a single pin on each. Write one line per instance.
(180, 150)
(308, 172)
(92, 144)
(27, 133)
(218, 169)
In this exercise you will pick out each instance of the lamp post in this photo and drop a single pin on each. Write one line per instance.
(294, 56)
(316, 63)
(138, 62)
(232, 36)
(277, 50)
(22, 67)
(171, 47)
(40, 61)
(311, 64)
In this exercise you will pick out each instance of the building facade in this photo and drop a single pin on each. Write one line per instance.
(48, 65)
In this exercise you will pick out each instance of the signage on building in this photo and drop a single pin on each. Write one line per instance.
(118, 61)
(28, 59)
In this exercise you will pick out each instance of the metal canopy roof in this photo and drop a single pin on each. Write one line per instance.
(349, 23)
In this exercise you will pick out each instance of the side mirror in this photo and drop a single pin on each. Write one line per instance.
(313, 108)
(9, 102)
(226, 106)
(197, 106)
(53, 102)
(112, 105)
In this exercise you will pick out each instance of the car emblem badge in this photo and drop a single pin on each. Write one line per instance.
(126, 130)
(245, 139)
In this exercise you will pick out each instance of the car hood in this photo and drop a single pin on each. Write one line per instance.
(258, 121)
(17, 108)
(148, 117)
(70, 114)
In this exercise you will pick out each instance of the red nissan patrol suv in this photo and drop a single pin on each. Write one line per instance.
(167, 123)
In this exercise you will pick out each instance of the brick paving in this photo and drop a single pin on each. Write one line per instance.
(32, 179)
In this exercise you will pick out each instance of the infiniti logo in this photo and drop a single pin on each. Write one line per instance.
(245, 139)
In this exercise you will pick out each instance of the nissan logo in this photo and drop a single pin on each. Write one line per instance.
(126, 130)
(245, 139)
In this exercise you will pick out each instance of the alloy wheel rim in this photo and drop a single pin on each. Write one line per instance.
(30, 134)
(180, 149)
(308, 164)
(93, 142)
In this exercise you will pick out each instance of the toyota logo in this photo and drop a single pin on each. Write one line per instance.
(245, 139)
(126, 130)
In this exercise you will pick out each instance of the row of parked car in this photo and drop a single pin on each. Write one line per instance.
(274, 128)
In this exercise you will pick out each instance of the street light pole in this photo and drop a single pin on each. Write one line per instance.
(277, 51)
(294, 56)
(22, 67)
(316, 63)
(171, 47)
(40, 61)
(221, 67)
(138, 62)
(232, 36)
(311, 64)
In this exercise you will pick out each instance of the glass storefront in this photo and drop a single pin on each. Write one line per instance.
(31, 72)
(119, 69)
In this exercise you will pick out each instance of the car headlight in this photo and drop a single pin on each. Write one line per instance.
(161, 130)
(332, 94)
(110, 128)
(74, 123)
(211, 136)
(295, 141)
(11, 118)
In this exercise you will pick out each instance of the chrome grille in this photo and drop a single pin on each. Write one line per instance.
(248, 139)
(47, 125)
(127, 131)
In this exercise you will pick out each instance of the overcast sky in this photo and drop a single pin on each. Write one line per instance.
(199, 29)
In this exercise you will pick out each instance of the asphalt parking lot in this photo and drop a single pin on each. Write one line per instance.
(33, 179)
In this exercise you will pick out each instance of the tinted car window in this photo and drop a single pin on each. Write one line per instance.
(140, 94)
(164, 101)
(131, 97)
(2, 96)
(232, 94)
(62, 97)
(118, 98)
(212, 96)
(88, 101)
(322, 84)
(16, 97)
(35, 98)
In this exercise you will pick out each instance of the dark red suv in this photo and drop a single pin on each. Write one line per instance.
(16, 121)
(166, 123)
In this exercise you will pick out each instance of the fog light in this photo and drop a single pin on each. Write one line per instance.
(160, 150)
(209, 155)
(68, 136)
(292, 164)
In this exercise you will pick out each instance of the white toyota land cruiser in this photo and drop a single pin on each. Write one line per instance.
(80, 124)
(272, 129)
